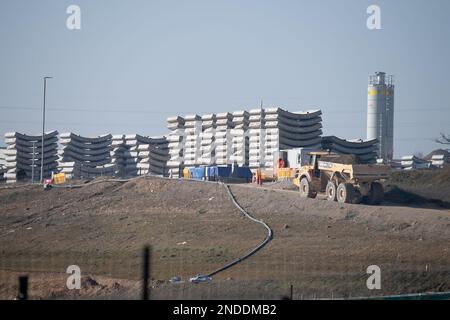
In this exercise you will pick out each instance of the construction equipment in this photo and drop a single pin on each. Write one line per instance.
(59, 178)
(345, 183)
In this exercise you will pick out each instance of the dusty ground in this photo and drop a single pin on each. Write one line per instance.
(320, 248)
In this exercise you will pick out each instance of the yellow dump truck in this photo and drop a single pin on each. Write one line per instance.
(345, 183)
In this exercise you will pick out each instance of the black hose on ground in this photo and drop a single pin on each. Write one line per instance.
(257, 248)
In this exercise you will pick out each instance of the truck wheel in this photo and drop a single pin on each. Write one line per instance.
(358, 198)
(331, 191)
(376, 194)
(305, 189)
(345, 193)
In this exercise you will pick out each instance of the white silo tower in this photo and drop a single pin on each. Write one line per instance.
(380, 114)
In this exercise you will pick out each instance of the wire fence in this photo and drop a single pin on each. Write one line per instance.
(122, 275)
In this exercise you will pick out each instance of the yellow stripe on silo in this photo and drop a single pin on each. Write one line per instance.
(374, 92)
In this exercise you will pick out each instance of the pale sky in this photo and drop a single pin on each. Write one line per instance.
(134, 63)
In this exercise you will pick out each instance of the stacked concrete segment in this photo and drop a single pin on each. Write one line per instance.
(153, 156)
(408, 162)
(134, 154)
(275, 129)
(25, 150)
(131, 159)
(3, 168)
(223, 139)
(256, 135)
(440, 160)
(411, 162)
(222, 147)
(246, 138)
(207, 148)
(119, 154)
(83, 157)
(239, 138)
(176, 141)
(192, 148)
(293, 129)
(365, 151)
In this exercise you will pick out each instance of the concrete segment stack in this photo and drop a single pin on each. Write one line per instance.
(223, 139)
(256, 135)
(3, 168)
(119, 154)
(134, 154)
(83, 157)
(275, 129)
(440, 160)
(20, 156)
(239, 138)
(131, 143)
(411, 162)
(176, 141)
(153, 156)
(207, 149)
(192, 147)
(365, 151)
(245, 138)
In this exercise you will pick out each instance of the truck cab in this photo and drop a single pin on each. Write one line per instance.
(311, 172)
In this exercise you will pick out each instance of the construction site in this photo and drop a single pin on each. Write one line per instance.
(250, 204)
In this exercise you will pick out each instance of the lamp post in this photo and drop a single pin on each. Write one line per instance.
(43, 129)
(32, 162)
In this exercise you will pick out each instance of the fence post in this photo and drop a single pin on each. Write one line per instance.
(146, 273)
(23, 288)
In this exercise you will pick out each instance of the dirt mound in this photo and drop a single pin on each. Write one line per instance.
(342, 158)
(432, 184)
(283, 185)
(397, 195)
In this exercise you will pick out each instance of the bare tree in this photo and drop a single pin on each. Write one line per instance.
(444, 139)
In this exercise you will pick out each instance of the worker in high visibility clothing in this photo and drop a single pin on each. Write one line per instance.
(281, 163)
(258, 177)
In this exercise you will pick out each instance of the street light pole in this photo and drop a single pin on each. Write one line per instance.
(43, 129)
(32, 162)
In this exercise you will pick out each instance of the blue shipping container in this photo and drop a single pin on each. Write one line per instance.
(215, 172)
(242, 172)
(197, 173)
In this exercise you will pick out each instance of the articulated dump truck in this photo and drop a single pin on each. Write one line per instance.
(345, 183)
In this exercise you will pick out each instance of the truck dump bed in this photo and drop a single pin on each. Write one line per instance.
(357, 171)
(371, 171)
